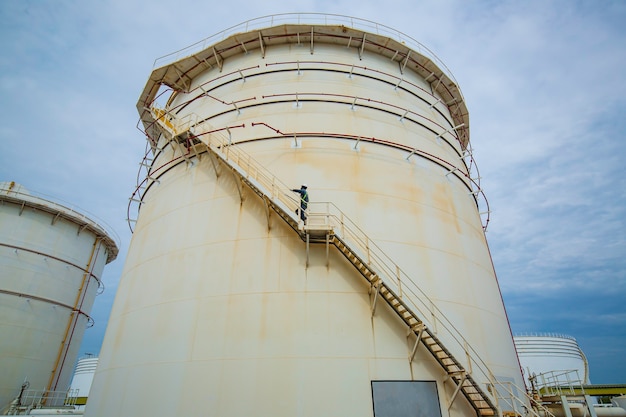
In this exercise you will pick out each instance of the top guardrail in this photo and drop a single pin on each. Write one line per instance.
(544, 334)
(67, 208)
(310, 19)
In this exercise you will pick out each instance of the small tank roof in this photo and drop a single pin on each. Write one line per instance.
(12, 192)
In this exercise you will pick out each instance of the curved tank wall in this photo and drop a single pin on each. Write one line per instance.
(552, 353)
(218, 307)
(52, 259)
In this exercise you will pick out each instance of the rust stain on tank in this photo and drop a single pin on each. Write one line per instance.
(444, 202)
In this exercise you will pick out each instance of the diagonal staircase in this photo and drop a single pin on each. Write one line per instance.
(327, 224)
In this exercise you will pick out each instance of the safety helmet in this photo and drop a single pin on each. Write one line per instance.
(304, 186)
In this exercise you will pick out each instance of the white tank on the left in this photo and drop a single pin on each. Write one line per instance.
(51, 263)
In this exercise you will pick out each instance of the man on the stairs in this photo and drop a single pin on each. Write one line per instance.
(304, 201)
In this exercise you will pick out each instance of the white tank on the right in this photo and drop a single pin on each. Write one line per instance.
(555, 354)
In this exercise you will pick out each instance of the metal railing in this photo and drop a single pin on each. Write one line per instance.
(307, 19)
(509, 399)
(558, 383)
(326, 215)
(31, 399)
(251, 170)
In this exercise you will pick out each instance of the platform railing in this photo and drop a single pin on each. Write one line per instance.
(306, 19)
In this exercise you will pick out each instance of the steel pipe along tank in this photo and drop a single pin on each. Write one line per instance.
(224, 306)
(52, 260)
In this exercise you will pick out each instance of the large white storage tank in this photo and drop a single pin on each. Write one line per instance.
(556, 355)
(51, 258)
(223, 307)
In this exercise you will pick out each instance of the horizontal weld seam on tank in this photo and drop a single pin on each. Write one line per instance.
(339, 103)
(169, 164)
(181, 160)
(45, 300)
(346, 103)
(156, 156)
(354, 73)
(383, 142)
(452, 95)
(457, 102)
(93, 227)
(360, 104)
(204, 92)
(183, 105)
(20, 248)
(373, 140)
(145, 180)
(392, 144)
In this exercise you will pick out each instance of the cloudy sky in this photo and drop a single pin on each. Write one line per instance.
(544, 81)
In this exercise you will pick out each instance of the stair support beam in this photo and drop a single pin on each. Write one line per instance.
(182, 150)
(267, 211)
(212, 158)
(457, 389)
(239, 185)
(468, 357)
(420, 331)
(307, 248)
(589, 404)
(328, 251)
(565, 405)
(399, 276)
(373, 306)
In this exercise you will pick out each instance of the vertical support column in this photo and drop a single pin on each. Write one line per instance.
(592, 410)
(565, 405)
(373, 307)
(328, 250)
(307, 249)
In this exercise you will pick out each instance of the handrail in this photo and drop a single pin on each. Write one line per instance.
(518, 406)
(400, 282)
(558, 382)
(391, 274)
(307, 18)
